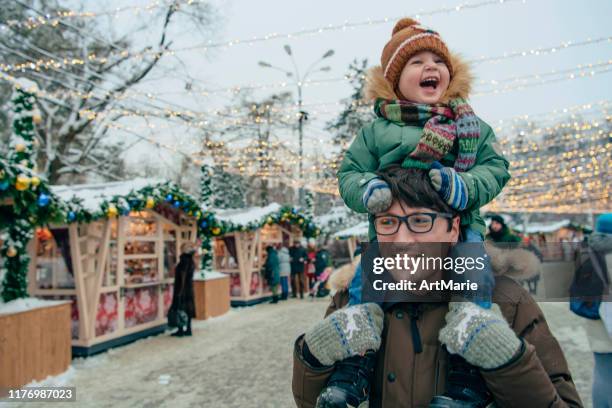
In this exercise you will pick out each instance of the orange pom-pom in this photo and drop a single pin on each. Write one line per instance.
(403, 23)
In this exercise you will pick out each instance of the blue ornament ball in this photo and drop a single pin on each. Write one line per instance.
(177, 204)
(43, 200)
(4, 185)
(203, 224)
(71, 216)
(169, 197)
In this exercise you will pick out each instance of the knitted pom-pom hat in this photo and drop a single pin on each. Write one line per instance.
(408, 38)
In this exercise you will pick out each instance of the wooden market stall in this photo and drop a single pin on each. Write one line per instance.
(556, 240)
(240, 253)
(353, 235)
(117, 271)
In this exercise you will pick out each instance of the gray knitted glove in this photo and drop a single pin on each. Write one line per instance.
(347, 332)
(377, 196)
(481, 336)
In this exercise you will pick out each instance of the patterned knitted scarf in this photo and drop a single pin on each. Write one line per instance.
(441, 126)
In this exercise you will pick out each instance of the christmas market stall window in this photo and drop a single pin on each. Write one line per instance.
(114, 256)
(239, 246)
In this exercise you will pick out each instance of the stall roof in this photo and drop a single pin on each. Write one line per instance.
(358, 230)
(335, 214)
(245, 216)
(93, 195)
(543, 227)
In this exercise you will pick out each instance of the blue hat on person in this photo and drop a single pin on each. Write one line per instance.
(604, 223)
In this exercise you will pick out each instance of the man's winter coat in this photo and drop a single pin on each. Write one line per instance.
(537, 377)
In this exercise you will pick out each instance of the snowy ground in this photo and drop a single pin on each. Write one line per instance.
(242, 359)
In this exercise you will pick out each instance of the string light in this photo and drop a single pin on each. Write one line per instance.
(64, 62)
(54, 19)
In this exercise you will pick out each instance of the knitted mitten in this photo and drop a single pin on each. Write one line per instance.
(377, 196)
(347, 332)
(449, 185)
(482, 337)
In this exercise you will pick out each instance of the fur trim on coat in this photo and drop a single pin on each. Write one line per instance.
(460, 85)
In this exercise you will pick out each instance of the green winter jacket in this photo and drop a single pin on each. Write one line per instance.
(382, 143)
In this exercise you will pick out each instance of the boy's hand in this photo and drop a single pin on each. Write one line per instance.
(483, 337)
(449, 186)
(377, 196)
(345, 333)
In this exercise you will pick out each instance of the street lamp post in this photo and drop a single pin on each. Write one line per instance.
(303, 116)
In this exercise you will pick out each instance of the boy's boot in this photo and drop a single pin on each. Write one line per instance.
(465, 387)
(349, 384)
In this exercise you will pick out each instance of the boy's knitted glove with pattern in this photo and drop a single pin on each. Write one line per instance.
(483, 337)
(345, 333)
(449, 185)
(377, 196)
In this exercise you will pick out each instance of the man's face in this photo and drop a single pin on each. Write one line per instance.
(439, 232)
(415, 244)
(495, 226)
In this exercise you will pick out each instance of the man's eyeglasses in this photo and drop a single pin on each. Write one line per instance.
(419, 223)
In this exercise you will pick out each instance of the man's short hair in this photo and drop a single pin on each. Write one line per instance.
(413, 188)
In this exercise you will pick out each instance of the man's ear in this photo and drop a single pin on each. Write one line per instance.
(455, 229)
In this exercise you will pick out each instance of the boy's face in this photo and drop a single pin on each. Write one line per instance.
(424, 79)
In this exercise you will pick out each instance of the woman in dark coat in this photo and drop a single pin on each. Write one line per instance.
(183, 298)
(272, 266)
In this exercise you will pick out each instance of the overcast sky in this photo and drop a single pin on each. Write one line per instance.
(485, 31)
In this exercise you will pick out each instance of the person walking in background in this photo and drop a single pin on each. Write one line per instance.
(322, 261)
(499, 231)
(599, 327)
(311, 254)
(272, 267)
(285, 271)
(182, 299)
(299, 258)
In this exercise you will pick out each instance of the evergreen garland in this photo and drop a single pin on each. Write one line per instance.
(25, 198)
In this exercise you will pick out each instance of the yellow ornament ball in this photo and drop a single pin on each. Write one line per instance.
(11, 252)
(20, 147)
(216, 231)
(301, 221)
(23, 182)
(35, 181)
(150, 203)
(269, 220)
(112, 211)
(37, 118)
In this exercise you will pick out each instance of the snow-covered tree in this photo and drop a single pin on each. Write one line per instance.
(356, 112)
(84, 72)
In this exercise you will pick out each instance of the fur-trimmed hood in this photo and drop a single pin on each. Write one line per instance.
(519, 264)
(460, 84)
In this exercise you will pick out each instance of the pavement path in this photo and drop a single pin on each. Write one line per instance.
(242, 359)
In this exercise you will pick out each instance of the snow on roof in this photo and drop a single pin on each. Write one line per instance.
(245, 216)
(544, 226)
(93, 195)
(334, 214)
(358, 230)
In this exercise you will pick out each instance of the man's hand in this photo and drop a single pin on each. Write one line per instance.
(483, 337)
(347, 332)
